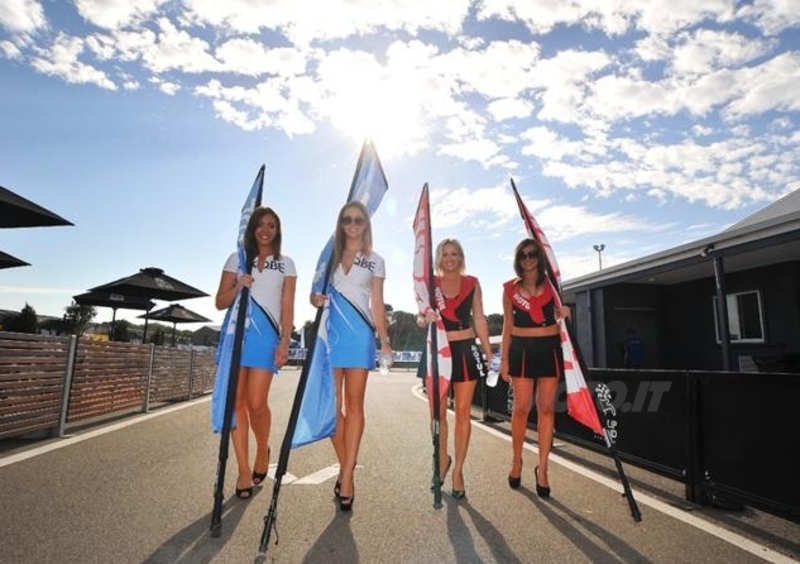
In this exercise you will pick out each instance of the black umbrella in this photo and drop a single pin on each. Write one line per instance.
(7, 261)
(16, 211)
(151, 283)
(114, 301)
(177, 314)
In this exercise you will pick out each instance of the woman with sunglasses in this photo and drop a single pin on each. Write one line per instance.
(265, 348)
(357, 313)
(531, 357)
(460, 303)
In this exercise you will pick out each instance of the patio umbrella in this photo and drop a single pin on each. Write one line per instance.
(151, 283)
(114, 301)
(7, 261)
(177, 314)
(16, 211)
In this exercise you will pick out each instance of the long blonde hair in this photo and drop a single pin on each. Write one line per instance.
(340, 239)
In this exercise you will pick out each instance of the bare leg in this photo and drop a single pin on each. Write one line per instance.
(354, 387)
(260, 415)
(546, 389)
(337, 440)
(240, 435)
(463, 428)
(523, 399)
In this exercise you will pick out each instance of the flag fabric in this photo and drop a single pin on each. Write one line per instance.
(580, 404)
(426, 296)
(225, 349)
(317, 416)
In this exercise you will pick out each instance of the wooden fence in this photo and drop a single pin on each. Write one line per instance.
(49, 382)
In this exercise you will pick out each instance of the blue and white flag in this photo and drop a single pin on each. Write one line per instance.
(317, 417)
(227, 340)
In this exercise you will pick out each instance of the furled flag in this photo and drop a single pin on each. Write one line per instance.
(424, 291)
(317, 416)
(229, 348)
(580, 404)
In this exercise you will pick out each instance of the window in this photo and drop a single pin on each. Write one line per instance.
(745, 317)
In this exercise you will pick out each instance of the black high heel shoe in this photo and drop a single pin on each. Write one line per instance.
(542, 491)
(442, 477)
(346, 502)
(514, 482)
(337, 487)
(259, 477)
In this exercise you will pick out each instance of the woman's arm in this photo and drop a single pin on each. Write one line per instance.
(379, 313)
(287, 319)
(479, 322)
(229, 285)
(505, 344)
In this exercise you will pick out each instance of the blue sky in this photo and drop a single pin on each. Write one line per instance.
(637, 125)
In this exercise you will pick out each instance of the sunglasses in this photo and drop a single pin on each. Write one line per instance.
(348, 219)
(530, 255)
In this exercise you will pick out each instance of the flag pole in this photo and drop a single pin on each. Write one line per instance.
(434, 364)
(233, 381)
(356, 190)
(286, 446)
(595, 425)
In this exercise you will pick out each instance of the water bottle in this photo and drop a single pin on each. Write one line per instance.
(494, 371)
(384, 363)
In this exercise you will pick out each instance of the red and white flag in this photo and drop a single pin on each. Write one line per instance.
(438, 354)
(580, 404)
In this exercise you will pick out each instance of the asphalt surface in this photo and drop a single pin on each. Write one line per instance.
(139, 489)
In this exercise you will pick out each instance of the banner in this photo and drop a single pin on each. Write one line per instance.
(227, 340)
(424, 288)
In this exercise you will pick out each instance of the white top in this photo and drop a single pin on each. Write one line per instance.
(356, 285)
(267, 287)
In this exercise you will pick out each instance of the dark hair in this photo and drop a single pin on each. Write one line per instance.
(250, 244)
(541, 265)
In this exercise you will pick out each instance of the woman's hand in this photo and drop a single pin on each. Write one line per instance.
(504, 370)
(244, 280)
(423, 320)
(318, 300)
(282, 353)
(564, 312)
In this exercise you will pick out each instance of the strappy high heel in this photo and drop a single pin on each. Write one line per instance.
(442, 477)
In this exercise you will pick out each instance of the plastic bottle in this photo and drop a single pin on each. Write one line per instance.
(494, 371)
(384, 363)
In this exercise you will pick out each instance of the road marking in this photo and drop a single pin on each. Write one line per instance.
(70, 440)
(643, 499)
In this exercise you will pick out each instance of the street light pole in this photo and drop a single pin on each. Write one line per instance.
(600, 249)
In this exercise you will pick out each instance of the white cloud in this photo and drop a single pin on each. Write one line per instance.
(22, 16)
(114, 14)
(62, 61)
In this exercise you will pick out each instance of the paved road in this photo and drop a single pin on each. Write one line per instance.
(140, 490)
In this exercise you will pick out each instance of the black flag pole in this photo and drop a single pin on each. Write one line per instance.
(286, 446)
(433, 356)
(233, 381)
(628, 493)
(270, 519)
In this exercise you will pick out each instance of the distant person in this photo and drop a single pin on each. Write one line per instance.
(531, 357)
(357, 313)
(460, 304)
(634, 350)
(265, 347)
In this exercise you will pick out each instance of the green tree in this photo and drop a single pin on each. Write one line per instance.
(495, 322)
(158, 335)
(121, 332)
(78, 318)
(25, 322)
(404, 332)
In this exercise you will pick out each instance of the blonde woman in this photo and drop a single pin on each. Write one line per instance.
(460, 303)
